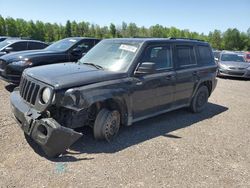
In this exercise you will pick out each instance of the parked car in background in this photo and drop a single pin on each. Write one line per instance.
(15, 45)
(2, 38)
(65, 50)
(216, 55)
(118, 82)
(233, 64)
(247, 56)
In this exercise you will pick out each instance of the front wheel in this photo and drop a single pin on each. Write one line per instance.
(199, 100)
(107, 125)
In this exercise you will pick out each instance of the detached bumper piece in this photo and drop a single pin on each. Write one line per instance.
(53, 138)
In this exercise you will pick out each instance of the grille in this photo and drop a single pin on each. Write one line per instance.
(236, 73)
(29, 90)
(234, 68)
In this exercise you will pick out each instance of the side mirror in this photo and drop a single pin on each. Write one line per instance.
(146, 68)
(8, 49)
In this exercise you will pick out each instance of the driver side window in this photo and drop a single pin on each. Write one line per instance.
(160, 55)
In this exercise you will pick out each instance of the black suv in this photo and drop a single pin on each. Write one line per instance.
(65, 50)
(15, 45)
(118, 82)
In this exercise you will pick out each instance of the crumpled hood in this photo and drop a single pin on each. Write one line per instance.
(234, 64)
(29, 54)
(67, 75)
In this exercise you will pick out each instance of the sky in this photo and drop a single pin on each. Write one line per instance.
(196, 15)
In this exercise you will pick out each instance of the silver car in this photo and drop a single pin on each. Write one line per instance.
(233, 64)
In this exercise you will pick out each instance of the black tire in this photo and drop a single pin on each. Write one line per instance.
(107, 125)
(199, 100)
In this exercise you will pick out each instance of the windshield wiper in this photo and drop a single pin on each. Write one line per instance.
(94, 65)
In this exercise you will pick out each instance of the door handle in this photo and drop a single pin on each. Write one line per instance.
(195, 73)
(169, 77)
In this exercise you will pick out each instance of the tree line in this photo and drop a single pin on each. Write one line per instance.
(231, 39)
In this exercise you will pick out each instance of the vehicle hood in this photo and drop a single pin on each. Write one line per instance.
(234, 64)
(67, 75)
(29, 54)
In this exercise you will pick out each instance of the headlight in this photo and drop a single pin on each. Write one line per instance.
(46, 95)
(22, 62)
(223, 66)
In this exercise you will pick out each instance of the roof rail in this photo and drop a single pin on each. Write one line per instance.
(174, 38)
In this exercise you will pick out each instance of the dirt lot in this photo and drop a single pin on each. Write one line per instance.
(177, 149)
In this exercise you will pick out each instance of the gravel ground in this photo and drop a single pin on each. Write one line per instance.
(177, 149)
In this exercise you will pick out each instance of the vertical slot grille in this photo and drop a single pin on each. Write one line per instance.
(29, 90)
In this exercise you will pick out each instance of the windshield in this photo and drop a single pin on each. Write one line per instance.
(112, 55)
(232, 57)
(4, 44)
(62, 45)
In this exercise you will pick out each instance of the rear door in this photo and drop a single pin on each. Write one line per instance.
(36, 45)
(154, 92)
(19, 46)
(186, 72)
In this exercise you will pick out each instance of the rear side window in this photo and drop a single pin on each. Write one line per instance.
(36, 45)
(19, 46)
(185, 55)
(205, 56)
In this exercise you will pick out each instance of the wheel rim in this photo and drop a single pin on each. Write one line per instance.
(201, 99)
(112, 125)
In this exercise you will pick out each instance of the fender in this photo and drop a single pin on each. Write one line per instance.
(83, 97)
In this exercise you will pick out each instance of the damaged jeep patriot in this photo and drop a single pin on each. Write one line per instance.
(118, 82)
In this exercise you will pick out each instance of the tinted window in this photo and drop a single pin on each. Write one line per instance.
(36, 45)
(160, 55)
(185, 56)
(19, 46)
(205, 56)
(85, 46)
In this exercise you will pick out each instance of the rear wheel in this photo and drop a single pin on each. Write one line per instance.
(107, 124)
(200, 99)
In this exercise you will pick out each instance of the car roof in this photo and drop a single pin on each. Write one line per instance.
(230, 52)
(18, 40)
(80, 38)
(170, 39)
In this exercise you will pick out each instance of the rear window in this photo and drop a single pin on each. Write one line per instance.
(205, 56)
(185, 56)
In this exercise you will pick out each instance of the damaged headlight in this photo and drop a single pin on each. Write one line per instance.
(46, 95)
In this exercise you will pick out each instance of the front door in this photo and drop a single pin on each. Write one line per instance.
(153, 93)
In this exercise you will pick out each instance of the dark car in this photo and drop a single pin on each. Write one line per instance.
(233, 64)
(2, 38)
(118, 82)
(65, 50)
(15, 45)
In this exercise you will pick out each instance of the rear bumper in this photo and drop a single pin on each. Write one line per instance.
(234, 73)
(46, 132)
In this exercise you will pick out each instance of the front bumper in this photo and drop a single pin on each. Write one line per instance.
(234, 73)
(53, 138)
(11, 78)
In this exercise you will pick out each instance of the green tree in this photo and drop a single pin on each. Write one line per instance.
(2, 26)
(215, 39)
(113, 31)
(231, 39)
(11, 29)
(68, 29)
